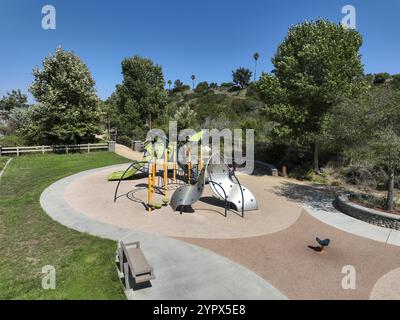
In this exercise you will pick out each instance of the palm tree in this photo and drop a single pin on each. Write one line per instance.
(255, 56)
(169, 85)
(193, 77)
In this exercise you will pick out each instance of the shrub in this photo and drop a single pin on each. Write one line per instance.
(202, 87)
(360, 176)
(226, 84)
(125, 140)
(13, 141)
(381, 77)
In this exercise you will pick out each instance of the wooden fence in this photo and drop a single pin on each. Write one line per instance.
(4, 151)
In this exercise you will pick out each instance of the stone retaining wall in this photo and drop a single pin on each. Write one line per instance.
(372, 216)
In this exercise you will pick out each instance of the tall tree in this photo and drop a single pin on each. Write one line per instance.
(256, 56)
(316, 65)
(368, 130)
(241, 77)
(193, 77)
(13, 99)
(142, 89)
(169, 85)
(68, 105)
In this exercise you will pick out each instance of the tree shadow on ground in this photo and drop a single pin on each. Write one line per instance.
(319, 197)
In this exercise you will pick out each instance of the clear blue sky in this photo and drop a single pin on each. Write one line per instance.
(208, 38)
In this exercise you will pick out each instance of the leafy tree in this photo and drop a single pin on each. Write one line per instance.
(380, 78)
(169, 85)
(202, 87)
(185, 117)
(368, 130)
(317, 64)
(256, 56)
(179, 86)
(241, 77)
(13, 99)
(68, 105)
(143, 88)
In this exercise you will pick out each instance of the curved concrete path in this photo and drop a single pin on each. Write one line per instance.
(183, 271)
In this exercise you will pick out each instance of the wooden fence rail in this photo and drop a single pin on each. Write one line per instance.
(64, 148)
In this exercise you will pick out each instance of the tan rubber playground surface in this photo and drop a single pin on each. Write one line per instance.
(273, 241)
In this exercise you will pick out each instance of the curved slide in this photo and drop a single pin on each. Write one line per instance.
(241, 197)
(223, 183)
(188, 194)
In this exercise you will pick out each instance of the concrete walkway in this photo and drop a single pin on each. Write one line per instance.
(128, 152)
(183, 271)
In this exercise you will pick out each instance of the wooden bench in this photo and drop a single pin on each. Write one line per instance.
(133, 262)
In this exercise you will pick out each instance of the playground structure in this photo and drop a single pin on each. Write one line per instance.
(222, 179)
(224, 184)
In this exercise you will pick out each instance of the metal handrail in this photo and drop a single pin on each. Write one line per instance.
(241, 191)
(225, 197)
(123, 175)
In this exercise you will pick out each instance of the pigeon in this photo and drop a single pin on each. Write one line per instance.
(323, 243)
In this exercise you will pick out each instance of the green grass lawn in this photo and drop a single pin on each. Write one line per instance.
(3, 161)
(29, 239)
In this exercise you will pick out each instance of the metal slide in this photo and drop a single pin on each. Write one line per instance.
(223, 178)
(188, 194)
(223, 183)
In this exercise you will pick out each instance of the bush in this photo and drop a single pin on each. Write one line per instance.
(202, 87)
(360, 176)
(381, 77)
(13, 140)
(371, 201)
(125, 140)
(226, 84)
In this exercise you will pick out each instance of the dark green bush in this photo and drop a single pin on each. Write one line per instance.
(381, 77)
(202, 87)
(13, 140)
(125, 140)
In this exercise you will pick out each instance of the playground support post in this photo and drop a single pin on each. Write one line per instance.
(200, 159)
(174, 162)
(189, 165)
(165, 174)
(150, 187)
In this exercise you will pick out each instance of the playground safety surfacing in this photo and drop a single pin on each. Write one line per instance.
(92, 195)
(273, 241)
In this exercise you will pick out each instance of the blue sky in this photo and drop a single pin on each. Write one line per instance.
(208, 38)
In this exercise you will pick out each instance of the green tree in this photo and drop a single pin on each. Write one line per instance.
(256, 56)
(13, 99)
(317, 64)
(179, 86)
(368, 130)
(241, 77)
(202, 87)
(185, 117)
(169, 85)
(143, 88)
(68, 105)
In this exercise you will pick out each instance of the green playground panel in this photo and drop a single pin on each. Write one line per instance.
(129, 174)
